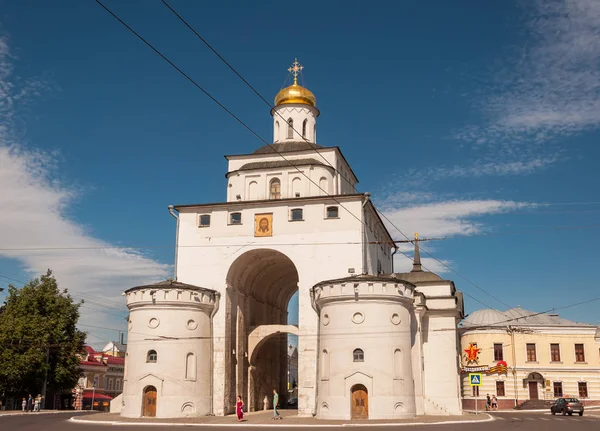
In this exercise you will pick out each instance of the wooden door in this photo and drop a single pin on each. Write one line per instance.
(360, 402)
(149, 403)
(533, 390)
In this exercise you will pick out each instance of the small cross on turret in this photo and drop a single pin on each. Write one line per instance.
(295, 69)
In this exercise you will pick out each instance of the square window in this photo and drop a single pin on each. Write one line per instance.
(204, 220)
(558, 392)
(498, 352)
(296, 214)
(235, 218)
(332, 212)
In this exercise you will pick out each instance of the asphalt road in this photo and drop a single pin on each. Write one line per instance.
(504, 421)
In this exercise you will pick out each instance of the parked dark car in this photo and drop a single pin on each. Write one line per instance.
(567, 405)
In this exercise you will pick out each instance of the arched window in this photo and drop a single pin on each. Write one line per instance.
(276, 131)
(151, 356)
(275, 189)
(358, 355)
(290, 133)
(325, 362)
(304, 128)
(333, 212)
(253, 191)
(296, 214)
(296, 187)
(190, 366)
(398, 363)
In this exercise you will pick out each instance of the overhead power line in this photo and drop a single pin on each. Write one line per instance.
(191, 80)
(314, 148)
(312, 244)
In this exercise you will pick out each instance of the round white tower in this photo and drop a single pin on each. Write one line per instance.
(295, 112)
(169, 352)
(365, 341)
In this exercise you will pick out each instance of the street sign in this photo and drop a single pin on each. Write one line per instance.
(475, 379)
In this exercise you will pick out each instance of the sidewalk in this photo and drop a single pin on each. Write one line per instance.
(43, 412)
(264, 419)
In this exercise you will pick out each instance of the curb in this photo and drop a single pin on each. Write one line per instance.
(286, 425)
(53, 412)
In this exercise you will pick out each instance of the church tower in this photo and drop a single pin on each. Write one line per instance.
(295, 112)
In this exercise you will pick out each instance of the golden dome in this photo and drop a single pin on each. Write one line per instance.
(295, 94)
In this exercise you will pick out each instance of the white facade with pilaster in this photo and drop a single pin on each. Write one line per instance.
(284, 227)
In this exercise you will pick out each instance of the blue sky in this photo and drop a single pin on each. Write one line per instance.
(473, 121)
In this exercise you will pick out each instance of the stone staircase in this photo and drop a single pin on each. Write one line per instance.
(534, 405)
(435, 408)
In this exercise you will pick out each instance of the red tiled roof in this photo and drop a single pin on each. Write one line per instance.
(89, 350)
(92, 363)
(112, 360)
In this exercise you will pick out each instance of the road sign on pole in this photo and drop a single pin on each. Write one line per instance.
(475, 380)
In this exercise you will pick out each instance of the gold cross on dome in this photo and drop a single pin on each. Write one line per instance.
(295, 69)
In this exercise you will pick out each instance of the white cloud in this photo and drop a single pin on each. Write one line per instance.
(440, 219)
(552, 87)
(511, 166)
(451, 218)
(34, 215)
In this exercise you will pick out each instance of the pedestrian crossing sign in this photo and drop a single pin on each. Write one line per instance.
(475, 379)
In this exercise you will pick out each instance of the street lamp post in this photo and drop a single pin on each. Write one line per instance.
(93, 395)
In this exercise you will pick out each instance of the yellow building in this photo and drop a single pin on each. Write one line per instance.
(526, 356)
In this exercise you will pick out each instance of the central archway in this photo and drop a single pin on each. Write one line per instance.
(260, 284)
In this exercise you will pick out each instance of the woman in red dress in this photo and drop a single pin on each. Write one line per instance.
(239, 408)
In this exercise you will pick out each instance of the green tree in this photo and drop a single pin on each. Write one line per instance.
(39, 338)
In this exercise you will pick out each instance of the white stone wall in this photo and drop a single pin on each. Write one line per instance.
(174, 323)
(320, 249)
(298, 113)
(376, 318)
(254, 184)
(441, 370)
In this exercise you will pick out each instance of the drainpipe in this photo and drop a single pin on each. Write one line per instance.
(393, 253)
(514, 358)
(317, 376)
(172, 212)
(212, 352)
(363, 234)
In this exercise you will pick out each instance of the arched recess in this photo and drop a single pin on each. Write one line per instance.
(296, 187)
(260, 284)
(253, 191)
(323, 186)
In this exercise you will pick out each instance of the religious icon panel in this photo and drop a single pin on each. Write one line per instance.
(263, 224)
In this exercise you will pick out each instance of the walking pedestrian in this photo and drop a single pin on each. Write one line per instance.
(494, 402)
(29, 403)
(488, 402)
(24, 404)
(276, 415)
(239, 408)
